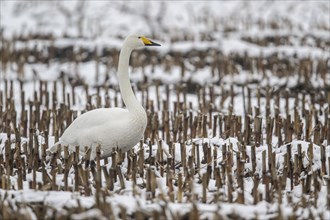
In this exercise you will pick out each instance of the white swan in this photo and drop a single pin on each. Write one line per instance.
(111, 127)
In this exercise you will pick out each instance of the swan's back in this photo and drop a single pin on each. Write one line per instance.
(96, 118)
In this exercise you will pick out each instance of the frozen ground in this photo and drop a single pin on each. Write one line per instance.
(300, 30)
(178, 25)
(133, 198)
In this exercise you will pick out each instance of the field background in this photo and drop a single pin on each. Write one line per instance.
(237, 99)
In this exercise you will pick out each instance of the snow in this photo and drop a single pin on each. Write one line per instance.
(100, 23)
(59, 200)
(179, 27)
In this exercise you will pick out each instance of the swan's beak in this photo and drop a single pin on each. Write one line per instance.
(148, 42)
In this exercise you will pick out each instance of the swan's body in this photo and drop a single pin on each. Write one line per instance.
(110, 128)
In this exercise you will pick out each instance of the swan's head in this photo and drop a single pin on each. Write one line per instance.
(137, 41)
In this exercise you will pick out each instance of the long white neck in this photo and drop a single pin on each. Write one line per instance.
(132, 104)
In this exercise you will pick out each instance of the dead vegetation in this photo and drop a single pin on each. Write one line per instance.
(43, 115)
(282, 139)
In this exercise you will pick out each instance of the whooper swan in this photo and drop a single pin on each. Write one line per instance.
(110, 128)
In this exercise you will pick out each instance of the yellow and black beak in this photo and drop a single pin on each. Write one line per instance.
(148, 42)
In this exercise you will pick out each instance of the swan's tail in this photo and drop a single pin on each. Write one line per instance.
(50, 152)
(53, 148)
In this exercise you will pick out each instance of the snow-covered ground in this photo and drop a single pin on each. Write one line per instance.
(290, 31)
(133, 198)
(99, 19)
(178, 25)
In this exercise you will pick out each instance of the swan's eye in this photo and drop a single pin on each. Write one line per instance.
(139, 37)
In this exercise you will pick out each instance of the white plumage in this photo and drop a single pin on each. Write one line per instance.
(111, 127)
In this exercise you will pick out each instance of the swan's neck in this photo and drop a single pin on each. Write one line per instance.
(132, 104)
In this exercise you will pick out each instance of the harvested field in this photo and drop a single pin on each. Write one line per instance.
(238, 115)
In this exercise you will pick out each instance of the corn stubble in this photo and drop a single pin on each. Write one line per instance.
(221, 172)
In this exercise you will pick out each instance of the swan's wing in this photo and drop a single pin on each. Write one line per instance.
(91, 121)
